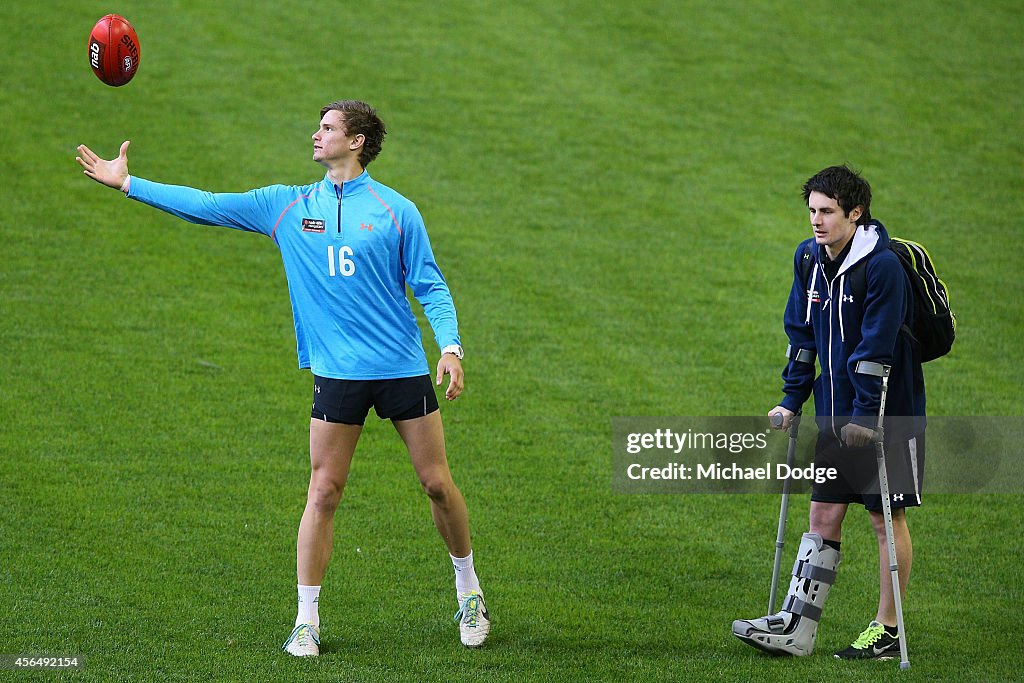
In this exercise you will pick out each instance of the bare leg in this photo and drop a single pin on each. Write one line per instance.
(424, 437)
(827, 520)
(331, 447)
(904, 559)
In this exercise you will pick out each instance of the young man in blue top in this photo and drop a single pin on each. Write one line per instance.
(850, 303)
(349, 245)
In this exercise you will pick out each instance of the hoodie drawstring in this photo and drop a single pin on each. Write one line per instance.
(842, 333)
(810, 293)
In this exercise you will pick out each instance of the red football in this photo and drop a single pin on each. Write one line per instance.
(114, 50)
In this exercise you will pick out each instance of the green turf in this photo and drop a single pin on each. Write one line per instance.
(612, 191)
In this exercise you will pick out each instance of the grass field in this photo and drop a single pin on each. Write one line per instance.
(612, 190)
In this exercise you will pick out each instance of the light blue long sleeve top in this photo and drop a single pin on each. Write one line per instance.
(348, 251)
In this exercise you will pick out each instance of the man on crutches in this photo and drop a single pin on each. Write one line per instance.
(849, 311)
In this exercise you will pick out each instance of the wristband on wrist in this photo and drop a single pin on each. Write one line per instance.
(126, 184)
(453, 349)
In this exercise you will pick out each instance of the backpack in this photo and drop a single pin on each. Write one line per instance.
(934, 326)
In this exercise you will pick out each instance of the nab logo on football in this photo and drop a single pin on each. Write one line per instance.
(95, 53)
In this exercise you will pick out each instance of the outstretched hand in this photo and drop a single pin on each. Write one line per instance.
(111, 173)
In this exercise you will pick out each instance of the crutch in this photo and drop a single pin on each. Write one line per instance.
(798, 356)
(780, 537)
(882, 371)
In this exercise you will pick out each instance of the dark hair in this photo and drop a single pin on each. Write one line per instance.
(361, 119)
(844, 185)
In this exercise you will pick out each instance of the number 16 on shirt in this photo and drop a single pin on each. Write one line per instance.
(345, 265)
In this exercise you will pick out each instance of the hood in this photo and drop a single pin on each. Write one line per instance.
(869, 239)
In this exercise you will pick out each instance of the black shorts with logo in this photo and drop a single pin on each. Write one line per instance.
(348, 401)
(858, 473)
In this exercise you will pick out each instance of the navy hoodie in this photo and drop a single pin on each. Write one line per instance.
(823, 316)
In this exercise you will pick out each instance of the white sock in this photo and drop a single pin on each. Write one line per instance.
(465, 575)
(309, 606)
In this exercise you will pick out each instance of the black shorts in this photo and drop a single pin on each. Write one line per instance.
(348, 401)
(858, 473)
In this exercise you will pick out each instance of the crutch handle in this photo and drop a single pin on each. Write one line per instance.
(777, 419)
